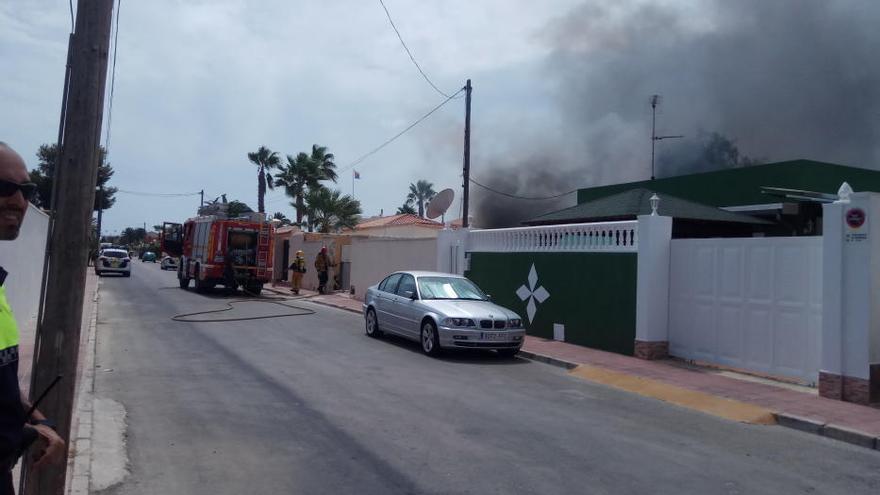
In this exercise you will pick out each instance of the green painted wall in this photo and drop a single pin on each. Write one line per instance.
(592, 294)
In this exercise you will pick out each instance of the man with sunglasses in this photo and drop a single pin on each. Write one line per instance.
(17, 431)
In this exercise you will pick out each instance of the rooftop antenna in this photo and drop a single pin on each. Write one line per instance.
(655, 100)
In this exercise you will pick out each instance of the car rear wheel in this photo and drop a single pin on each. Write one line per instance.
(429, 339)
(372, 324)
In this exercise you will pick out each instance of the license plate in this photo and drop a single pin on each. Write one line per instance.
(495, 336)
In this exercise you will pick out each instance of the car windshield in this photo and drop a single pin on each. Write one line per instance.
(449, 288)
(115, 254)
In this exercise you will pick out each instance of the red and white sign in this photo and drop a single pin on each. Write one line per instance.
(855, 218)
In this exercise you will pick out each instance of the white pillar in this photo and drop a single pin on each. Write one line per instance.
(451, 246)
(652, 287)
(850, 365)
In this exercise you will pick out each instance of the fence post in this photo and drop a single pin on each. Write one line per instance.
(652, 287)
(850, 360)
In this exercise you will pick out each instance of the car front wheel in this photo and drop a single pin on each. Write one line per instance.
(429, 339)
(372, 324)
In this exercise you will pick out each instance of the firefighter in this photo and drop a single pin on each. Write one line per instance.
(322, 265)
(16, 430)
(297, 269)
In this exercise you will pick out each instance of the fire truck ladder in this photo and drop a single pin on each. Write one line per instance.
(263, 249)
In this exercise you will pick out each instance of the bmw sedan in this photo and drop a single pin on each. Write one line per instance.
(441, 311)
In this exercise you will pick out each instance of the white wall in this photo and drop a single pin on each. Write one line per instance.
(374, 258)
(23, 259)
(408, 231)
(748, 303)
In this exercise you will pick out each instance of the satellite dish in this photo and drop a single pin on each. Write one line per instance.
(440, 203)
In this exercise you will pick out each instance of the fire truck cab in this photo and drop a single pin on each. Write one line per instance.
(219, 251)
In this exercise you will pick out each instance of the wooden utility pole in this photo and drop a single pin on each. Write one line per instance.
(465, 198)
(58, 336)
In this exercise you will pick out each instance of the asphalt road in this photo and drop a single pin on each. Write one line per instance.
(309, 404)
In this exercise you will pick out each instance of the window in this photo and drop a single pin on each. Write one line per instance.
(449, 288)
(407, 283)
(390, 283)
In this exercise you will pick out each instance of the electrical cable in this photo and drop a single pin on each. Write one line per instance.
(408, 52)
(72, 22)
(389, 141)
(112, 79)
(161, 195)
(529, 198)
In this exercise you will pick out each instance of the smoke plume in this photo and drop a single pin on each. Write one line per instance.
(773, 80)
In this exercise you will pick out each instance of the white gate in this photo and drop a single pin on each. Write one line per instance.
(750, 303)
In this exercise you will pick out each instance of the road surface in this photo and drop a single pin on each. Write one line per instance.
(309, 404)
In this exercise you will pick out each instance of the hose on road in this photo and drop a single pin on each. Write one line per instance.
(280, 301)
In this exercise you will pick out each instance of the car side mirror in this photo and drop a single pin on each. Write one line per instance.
(410, 295)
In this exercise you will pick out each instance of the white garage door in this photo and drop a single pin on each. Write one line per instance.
(751, 303)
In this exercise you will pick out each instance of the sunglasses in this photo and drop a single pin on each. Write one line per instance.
(28, 189)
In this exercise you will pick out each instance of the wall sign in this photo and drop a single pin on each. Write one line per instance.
(855, 221)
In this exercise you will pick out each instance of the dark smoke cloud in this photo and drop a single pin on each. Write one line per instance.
(780, 79)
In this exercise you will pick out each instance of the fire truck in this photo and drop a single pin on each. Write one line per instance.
(216, 250)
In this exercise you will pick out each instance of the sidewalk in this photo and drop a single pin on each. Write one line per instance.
(707, 390)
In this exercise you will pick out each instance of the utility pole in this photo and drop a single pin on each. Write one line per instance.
(655, 100)
(58, 336)
(202, 195)
(467, 155)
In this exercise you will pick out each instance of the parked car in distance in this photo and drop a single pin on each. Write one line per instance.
(441, 311)
(148, 256)
(168, 263)
(113, 261)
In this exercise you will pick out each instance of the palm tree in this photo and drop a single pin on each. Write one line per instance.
(266, 160)
(420, 193)
(299, 176)
(407, 208)
(324, 162)
(281, 217)
(331, 211)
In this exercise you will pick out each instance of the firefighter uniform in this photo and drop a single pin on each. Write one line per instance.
(297, 269)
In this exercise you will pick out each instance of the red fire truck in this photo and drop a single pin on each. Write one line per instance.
(214, 250)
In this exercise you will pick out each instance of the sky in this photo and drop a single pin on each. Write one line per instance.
(560, 101)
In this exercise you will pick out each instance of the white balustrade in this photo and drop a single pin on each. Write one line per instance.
(578, 237)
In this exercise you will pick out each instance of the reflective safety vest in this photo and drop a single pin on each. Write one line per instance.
(8, 331)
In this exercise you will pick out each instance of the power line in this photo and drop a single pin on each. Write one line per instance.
(528, 198)
(112, 79)
(389, 141)
(161, 195)
(411, 57)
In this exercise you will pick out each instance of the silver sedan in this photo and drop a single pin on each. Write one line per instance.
(441, 310)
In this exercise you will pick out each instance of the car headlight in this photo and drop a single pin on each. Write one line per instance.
(514, 323)
(458, 322)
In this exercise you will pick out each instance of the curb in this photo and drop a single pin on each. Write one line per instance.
(313, 300)
(337, 306)
(80, 463)
(836, 432)
(547, 360)
(807, 425)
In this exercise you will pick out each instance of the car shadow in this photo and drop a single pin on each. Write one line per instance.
(461, 356)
